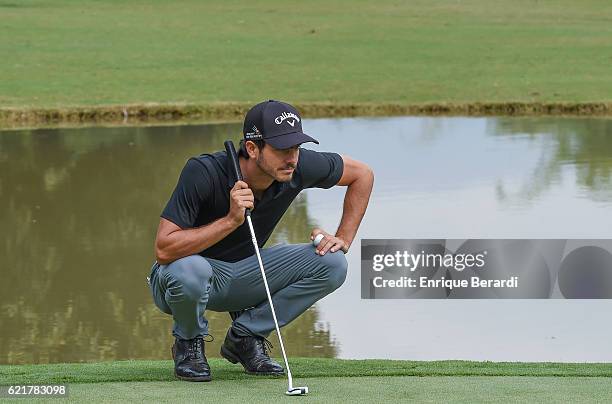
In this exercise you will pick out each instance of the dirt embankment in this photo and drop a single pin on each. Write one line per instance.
(183, 113)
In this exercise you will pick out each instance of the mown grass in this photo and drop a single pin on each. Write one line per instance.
(136, 371)
(329, 380)
(97, 53)
(395, 389)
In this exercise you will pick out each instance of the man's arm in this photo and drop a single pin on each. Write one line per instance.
(173, 243)
(359, 178)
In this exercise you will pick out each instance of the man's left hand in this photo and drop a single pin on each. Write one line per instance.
(329, 242)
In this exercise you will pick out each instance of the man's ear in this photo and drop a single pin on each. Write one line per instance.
(251, 149)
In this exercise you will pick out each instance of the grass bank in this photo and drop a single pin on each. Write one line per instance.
(229, 112)
(91, 61)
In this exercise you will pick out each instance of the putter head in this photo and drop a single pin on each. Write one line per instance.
(297, 391)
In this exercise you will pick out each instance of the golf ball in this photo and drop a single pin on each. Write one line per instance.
(317, 239)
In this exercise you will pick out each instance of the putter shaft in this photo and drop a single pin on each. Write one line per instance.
(263, 274)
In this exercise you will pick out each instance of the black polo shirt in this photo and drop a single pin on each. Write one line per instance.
(202, 196)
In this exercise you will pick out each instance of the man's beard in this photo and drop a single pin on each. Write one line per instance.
(263, 166)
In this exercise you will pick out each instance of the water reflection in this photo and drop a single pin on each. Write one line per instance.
(79, 209)
(437, 178)
(583, 145)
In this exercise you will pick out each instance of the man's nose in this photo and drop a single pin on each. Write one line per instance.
(292, 158)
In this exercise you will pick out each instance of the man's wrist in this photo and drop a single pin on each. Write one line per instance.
(229, 222)
(347, 240)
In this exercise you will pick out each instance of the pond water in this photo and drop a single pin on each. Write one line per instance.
(79, 209)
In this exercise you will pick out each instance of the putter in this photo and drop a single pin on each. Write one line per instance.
(231, 155)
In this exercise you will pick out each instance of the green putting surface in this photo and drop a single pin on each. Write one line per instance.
(329, 380)
(427, 389)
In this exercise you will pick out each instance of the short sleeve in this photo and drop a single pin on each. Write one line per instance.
(320, 169)
(192, 191)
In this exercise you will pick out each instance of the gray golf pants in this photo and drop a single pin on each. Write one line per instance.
(296, 275)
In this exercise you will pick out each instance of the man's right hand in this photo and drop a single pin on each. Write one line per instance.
(241, 198)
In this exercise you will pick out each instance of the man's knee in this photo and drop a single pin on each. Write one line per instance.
(334, 265)
(189, 276)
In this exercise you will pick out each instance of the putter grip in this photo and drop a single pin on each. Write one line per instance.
(233, 158)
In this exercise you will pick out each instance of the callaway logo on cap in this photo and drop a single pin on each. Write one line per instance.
(290, 116)
(277, 123)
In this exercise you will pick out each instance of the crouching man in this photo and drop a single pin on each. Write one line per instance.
(205, 258)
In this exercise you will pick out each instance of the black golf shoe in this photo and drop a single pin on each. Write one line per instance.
(190, 364)
(252, 353)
